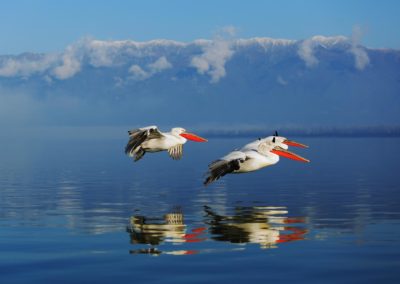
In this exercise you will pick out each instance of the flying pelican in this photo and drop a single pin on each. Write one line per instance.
(150, 139)
(253, 156)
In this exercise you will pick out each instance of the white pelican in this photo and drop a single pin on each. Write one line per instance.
(253, 156)
(150, 139)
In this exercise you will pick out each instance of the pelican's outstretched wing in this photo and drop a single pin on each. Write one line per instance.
(137, 137)
(225, 165)
(176, 152)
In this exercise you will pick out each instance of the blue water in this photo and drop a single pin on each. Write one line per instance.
(79, 211)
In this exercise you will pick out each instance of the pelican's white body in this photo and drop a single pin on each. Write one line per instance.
(167, 141)
(255, 155)
(256, 161)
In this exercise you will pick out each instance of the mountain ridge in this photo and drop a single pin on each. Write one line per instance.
(321, 81)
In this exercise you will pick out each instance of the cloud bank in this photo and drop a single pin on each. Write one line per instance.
(143, 60)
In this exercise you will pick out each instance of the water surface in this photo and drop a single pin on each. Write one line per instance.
(78, 210)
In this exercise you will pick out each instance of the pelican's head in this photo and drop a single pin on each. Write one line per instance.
(283, 140)
(279, 148)
(288, 142)
(282, 150)
(179, 131)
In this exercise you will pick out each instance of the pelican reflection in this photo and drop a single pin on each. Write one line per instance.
(263, 225)
(170, 228)
(267, 226)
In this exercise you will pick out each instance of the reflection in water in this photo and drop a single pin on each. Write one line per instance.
(263, 225)
(154, 231)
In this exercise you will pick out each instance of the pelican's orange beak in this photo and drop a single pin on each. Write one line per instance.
(287, 154)
(193, 137)
(294, 144)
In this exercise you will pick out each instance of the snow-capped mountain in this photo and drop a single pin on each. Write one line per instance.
(321, 81)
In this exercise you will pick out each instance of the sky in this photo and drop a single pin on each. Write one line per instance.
(50, 26)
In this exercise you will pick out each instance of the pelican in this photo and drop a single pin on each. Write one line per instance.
(151, 139)
(252, 157)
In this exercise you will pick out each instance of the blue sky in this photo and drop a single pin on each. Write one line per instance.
(48, 25)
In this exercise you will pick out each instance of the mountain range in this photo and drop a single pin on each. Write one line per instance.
(208, 84)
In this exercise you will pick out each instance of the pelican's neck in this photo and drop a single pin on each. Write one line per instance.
(274, 158)
(181, 139)
(271, 157)
(176, 134)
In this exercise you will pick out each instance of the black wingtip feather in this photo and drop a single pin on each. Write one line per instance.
(221, 170)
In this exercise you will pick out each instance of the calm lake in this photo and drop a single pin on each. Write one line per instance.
(78, 210)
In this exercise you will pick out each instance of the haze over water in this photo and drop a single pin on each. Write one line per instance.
(78, 210)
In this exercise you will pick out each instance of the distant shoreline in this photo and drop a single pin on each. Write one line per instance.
(106, 132)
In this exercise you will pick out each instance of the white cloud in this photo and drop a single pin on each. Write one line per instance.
(159, 65)
(201, 64)
(26, 66)
(215, 54)
(361, 59)
(107, 53)
(138, 73)
(66, 64)
(307, 48)
(70, 61)
(101, 53)
(115, 53)
(306, 52)
(61, 66)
